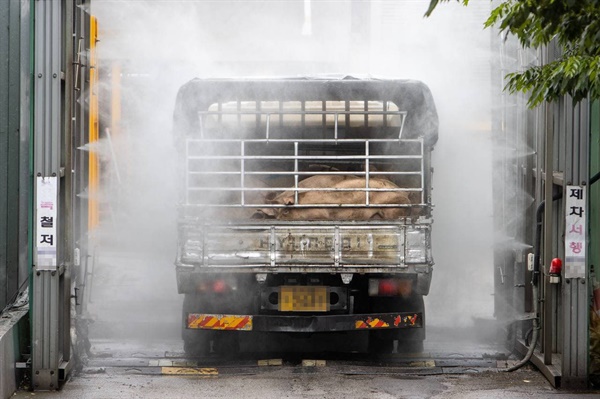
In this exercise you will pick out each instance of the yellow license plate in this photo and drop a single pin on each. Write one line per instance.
(303, 299)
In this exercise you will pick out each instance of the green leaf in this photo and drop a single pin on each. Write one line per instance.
(432, 5)
(572, 25)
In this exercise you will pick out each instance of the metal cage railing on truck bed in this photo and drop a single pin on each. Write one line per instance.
(233, 166)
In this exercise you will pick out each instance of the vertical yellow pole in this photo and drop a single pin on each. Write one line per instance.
(93, 176)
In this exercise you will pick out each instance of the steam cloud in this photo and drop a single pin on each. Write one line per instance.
(162, 44)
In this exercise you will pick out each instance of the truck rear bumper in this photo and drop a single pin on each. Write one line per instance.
(312, 323)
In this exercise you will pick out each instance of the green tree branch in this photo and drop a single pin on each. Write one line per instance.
(573, 24)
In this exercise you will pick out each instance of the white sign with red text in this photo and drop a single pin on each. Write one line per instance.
(575, 231)
(45, 223)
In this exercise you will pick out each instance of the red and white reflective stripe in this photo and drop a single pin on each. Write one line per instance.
(219, 322)
(371, 323)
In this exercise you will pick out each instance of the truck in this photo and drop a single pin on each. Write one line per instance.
(305, 208)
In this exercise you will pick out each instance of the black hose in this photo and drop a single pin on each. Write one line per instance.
(539, 220)
(595, 178)
(534, 337)
(539, 216)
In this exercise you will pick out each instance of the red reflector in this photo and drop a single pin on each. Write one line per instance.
(388, 287)
(556, 266)
(219, 286)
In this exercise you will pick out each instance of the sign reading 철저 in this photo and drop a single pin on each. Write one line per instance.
(45, 223)
(575, 231)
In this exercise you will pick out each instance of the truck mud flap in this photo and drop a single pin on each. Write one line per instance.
(313, 323)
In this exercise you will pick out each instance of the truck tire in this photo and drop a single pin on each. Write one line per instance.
(410, 346)
(226, 343)
(196, 343)
(381, 342)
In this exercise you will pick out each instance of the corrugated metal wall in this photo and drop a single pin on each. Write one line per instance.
(595, 191)
(14, 58)
(14, 186)
(594, 256)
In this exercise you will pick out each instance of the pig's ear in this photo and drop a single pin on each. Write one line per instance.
(288, 201)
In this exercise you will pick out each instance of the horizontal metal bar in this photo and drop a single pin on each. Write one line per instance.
(281, 112)
(308, 157)
(306, 189)
(303, 140)
(306, 173)
(290, 112)
(372, 225)
(295, 206)
(287, 268)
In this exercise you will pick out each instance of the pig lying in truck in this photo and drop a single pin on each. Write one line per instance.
(329, 196)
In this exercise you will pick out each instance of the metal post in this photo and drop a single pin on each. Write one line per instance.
(66, 198)
(575, 290)
(547, 330)
(50, 306)
(81, 162)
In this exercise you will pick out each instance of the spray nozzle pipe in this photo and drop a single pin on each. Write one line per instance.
(538, 237)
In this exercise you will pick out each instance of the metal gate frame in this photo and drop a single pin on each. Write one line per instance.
(541, 152)
(60, 125)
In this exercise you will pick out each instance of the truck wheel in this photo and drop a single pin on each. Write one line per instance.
(381, 342)
(410, 346)
(196, 343)
(226, 343)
